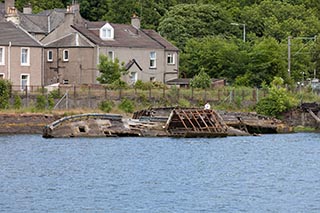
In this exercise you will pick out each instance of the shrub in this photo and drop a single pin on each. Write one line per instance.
(277, 101)
(106, 106)
(17, 104)
(5, 88)
(126, 105)
(41, 102)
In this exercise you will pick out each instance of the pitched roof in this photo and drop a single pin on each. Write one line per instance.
(124, 36)
(43, 22)
(157, 37)
(131, 63)
(70, 40)
(15, 35)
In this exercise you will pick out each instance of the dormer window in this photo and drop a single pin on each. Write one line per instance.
(107, 32)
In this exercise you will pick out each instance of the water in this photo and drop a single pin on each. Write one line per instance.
(271, 173)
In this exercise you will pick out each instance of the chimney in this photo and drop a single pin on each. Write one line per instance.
(8, 4)
(27, 9)
(11, 12)
(135, 21)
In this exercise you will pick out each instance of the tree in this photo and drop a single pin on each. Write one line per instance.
(186, 21)
(202, 80)
(219, 57)
(111, 71)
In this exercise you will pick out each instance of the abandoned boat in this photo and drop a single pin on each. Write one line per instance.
(164, 122)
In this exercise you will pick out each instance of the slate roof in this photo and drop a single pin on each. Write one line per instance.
(14, 34)
(156, 36)
(124, 36)
(70, 40)
(39, 23)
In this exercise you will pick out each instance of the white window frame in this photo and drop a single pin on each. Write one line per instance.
(2, 56)
(3, 75)
(27, 57)
(48, 56)
(171, 58)
(112, 55)
(64, 58)
(107, 32)
(27, 83)
(153, 60)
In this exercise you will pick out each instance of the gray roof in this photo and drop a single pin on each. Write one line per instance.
(43, 22)
(14, 34)
(70, 40)
(124, 36)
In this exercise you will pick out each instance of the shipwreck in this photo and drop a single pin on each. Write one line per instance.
(164, 122)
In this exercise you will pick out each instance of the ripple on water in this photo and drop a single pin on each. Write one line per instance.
(276, 173)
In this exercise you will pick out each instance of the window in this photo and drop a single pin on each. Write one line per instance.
(107, 32)
(170, 58)
(153, 59)
(111, 55)
(24, 82)
(152, 79)
(1, 75)
(65, 55)
(133, 77)
(1, 55)
(25, 56)
(49, 55)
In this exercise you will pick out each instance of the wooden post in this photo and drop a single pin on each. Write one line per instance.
(192, 93)
(89, 96)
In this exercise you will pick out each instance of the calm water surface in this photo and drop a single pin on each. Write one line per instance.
(271, 173)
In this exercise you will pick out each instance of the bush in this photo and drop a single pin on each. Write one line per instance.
(5, 89)
(41, 102)
(106, 106)
(55, 94)
(17, 104)
(277, 101)
(127, 106)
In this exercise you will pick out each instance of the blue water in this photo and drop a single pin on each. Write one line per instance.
(271, 173)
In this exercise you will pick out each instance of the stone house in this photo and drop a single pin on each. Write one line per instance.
(20, 57)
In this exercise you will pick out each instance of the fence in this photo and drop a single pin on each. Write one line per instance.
(89, 96)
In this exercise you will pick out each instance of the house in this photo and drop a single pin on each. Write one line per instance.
(146, 55)
(38, 25)
(72, 46)
(20, 56)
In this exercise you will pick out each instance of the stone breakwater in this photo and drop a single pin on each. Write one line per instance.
(27, 123)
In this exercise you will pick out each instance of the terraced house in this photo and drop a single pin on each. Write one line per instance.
(20, 57)
(72, 46)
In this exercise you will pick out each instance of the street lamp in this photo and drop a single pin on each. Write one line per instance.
(244, 29)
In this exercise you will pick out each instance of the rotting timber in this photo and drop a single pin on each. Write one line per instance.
(165, 122)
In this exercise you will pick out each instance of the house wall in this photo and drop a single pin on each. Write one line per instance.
(79, 69)
(13, 69)
(142, 57)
